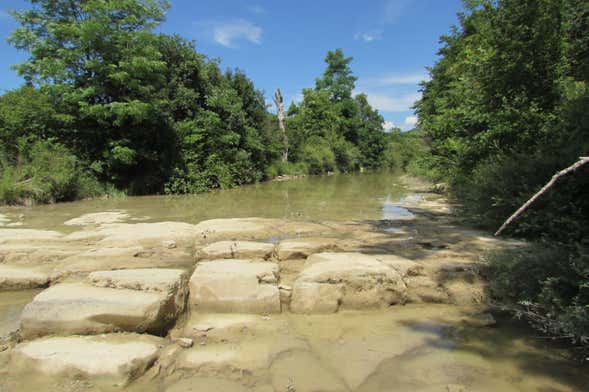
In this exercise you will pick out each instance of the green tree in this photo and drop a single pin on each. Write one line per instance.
(99, 62)
(337, 78)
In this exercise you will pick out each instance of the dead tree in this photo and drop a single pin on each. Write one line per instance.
(280, 111)
(556, 177)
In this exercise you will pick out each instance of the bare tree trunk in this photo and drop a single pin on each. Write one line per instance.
(556, 177)
(280, 111)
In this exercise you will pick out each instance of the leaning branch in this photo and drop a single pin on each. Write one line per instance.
(556, 177)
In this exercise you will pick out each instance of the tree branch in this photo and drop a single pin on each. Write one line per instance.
(582, 161)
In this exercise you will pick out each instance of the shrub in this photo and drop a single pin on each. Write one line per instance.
(546, 284)
(46, 172)
(318, 157)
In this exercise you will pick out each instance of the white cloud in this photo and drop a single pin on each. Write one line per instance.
(413, 78)
(386, 103)
(256, 9)
(368, 36)
(226, 33)
(409, 123)
(388, 126)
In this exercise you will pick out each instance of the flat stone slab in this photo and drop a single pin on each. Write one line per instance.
(246, 357)
(231, 327)
(116, 358)
(331, 281)
(301, 248)
(235, 286)
(255, 229)
(21, 278)
(237, 250)
(78, 308)
(171, 282)
(116, 258)
(403, 266)
(150, 235)
(146, 279)
(97, 218)
(28, 235)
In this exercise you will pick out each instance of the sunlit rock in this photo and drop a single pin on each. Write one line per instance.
(235, 286)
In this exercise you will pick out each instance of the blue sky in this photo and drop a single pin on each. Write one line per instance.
(283, 43)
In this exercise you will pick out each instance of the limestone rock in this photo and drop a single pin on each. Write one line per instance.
(237, 250)
(301, 248)
(20, 278)
(347, 279)
(116, 358)
(235, 286)
(255, 229)
(173, 283)
(183, 342)
(77, 308)
(311, 297)
(242, 228)
(149, 235)
(97, 218)
(402, 265)
(28, 235)
(230, 327)
(112, 258)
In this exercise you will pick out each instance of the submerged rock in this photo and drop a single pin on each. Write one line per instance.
(110, 358)
(206, 384)
(98, 218)
(28, 235)
(149, 235)
(237, 250)
(235, 286)
(349, 280)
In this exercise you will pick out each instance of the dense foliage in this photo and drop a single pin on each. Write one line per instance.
(505, 109)
(331, 130)
(141, 112)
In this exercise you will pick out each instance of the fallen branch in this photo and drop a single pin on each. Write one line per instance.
(556, 177)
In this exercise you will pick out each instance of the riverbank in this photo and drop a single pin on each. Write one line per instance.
(371, 301)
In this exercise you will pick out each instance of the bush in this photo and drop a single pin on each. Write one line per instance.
(318, 157)
(280, 168)
(546, 284)
(46, 172)
(498, 186)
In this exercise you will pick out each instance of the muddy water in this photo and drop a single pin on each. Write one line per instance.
(11, 304)
(406, 348)
(339, 197)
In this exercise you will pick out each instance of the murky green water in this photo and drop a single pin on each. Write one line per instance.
(339, 197)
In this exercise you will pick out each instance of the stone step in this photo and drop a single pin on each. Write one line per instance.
(237, 250)
(112, 359)
(145, 300)
(235, 286)
(301, 248)
(21, 278)
(331, 281)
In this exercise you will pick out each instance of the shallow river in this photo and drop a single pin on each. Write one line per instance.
(338, 197)
(425, 347)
